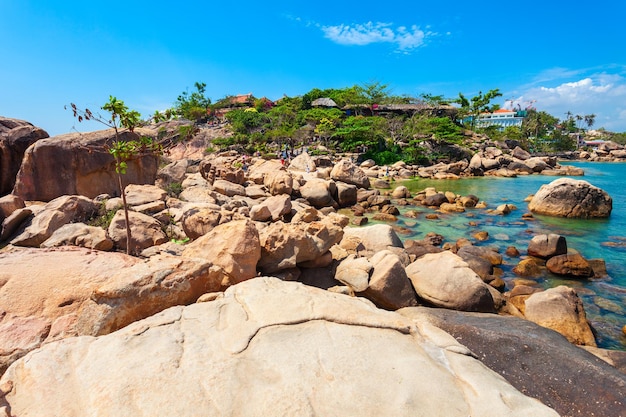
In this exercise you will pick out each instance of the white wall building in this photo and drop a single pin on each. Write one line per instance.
(502, 118)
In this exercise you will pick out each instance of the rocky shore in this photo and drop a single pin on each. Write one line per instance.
(249, 293)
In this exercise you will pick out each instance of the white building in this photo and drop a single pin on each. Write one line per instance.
(502, 118)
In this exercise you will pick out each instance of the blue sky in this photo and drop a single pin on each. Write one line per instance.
(561, 56)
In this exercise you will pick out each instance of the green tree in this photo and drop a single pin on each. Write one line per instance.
(478, 104)
(193, 106)
(357, 131)
(122, 151)
(325, 129)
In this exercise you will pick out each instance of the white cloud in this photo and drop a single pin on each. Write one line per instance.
(405, 39)
(601, 94)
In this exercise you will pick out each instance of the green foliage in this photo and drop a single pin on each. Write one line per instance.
(478, 104)
(187, 132)
(416, 154)
(174, 189)
(386, 157)
(242, 121)
(103, 218)
(119, 111)
(439, 129)
(357, 131)
(561, 141)
(193, 106)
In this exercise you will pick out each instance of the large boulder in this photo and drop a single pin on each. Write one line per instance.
(567, 197)
(318, 193)
(445, 280)
(78, 163)
(278, 182)
(15, 137)
(145, 231)
(547, 246)
(79, 234)
(233, 246)
(348, 172)
(561, 310)
(42, 291)
(267, 347)
(366, 241)
(285, 245)
(573, 265)
(389, 286)
(537, 361)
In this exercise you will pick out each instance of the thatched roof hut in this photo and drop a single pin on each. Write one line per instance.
(324, 102)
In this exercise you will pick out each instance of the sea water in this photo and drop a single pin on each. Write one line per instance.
(604, 298)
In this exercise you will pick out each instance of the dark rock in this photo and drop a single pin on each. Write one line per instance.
(573, 265)
(537, 361)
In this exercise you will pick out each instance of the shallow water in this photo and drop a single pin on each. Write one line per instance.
(605, 298)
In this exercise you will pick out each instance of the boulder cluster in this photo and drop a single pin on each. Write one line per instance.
(218, 307)
(607, 151)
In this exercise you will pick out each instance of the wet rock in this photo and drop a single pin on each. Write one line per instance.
(527, 268)
(547, 246)
(573, 265)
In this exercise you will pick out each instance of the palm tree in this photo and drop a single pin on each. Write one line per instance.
(589, 120)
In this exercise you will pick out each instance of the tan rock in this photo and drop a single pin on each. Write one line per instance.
(278, 182)
(145, 231)
(56, 213)
(284, 245)
(561, 310)
(228, 188)
(40, 286)
(86, 167)
(354, 272)
(389, 286)
(233, 246)
(445, 280)
(139, 194)
(198, 221)
(277, 206)
(567, 197)
(348, 172)
(547, 246)
(79, 234)
(257, 340)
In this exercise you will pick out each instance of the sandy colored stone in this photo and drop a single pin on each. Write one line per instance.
(561, 309)
(266, 348)
(445, 280)
(234, 246)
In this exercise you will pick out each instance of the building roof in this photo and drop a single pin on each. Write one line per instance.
(241, 98)
(324, 102)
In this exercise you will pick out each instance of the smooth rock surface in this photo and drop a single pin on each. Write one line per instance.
(266, 348)
(567, 197)
(539, 362)
(445, 280)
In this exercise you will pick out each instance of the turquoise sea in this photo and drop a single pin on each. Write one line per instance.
(605, 298)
